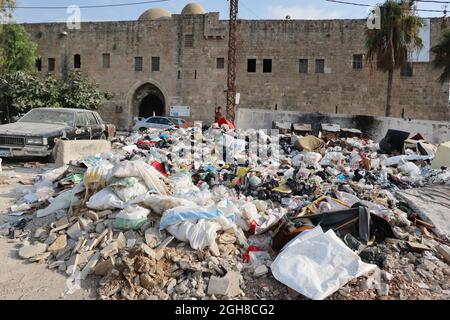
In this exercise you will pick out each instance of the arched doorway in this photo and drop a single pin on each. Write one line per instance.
(148, 100)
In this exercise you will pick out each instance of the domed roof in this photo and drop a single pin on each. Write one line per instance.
(193, 8)
(155, 14)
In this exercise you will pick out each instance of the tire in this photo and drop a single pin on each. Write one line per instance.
(142, 129)
(51, 158)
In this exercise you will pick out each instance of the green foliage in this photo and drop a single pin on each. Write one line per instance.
(21, 92)
(17, 50)
(399, 33)
(442, 57)
(78, 92)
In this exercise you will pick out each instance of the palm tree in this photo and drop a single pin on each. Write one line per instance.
(389, 46)
(442, 57)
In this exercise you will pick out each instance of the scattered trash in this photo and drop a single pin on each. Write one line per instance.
(172, 214)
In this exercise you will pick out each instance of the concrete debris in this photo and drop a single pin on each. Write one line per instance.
(29, 251)
(227, 286)
(153, 224)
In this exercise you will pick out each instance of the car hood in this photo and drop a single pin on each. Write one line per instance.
(32, 129)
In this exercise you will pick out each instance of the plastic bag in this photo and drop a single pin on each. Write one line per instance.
(408, 168)
(128, 189)
(200, 234)
(160, 204)
(316, 264)
(152, 178)
(64, 201)
(132, 217)
(105, 200)
(95, 177)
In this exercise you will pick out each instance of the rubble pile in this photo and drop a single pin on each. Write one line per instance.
(206, 214)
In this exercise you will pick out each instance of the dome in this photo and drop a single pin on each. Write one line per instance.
(155, 14)
(193, 8)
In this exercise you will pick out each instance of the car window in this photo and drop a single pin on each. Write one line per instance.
(91, 119)
(165, 121)
(81, 120)
(49, 116)
(153, 120)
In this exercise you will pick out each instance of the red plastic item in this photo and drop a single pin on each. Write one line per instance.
(158, 166)
(222, 121)
(246, 255)
(145, 144)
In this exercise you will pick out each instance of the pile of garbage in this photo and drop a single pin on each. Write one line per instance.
(203, 214)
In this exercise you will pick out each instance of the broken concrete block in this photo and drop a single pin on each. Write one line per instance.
(260, 271)
(74, 232)
(88, 269)
(442, 157)
(444, 251)
(226, 286)
(103, 214)
(104, 267)
(152, 237)
(29, 251)
(91, 215)
(148, 251)
(417, 247)
(68, 150)
(72, 265)
(59, 244)
(121, 241)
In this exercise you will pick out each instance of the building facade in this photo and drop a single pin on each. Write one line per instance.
(164, 60)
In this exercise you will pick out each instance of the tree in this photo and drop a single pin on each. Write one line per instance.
(77, 91)
(442, 57)
(21, 92)
(390, 45)
(17, 50)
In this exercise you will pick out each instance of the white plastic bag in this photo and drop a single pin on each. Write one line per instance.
(105, 200)
(200, 234)
(318, 265)
(128, 189)
(160, 204)
(64, 201)
(132, 217)
(152, 178)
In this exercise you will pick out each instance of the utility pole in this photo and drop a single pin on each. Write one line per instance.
(231, 82)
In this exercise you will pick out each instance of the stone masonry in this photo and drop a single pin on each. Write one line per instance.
(188, 46)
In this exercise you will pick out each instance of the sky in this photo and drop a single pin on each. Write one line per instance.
(248, 9)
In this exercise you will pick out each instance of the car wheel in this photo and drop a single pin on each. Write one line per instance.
(142, 129)
(51, 158)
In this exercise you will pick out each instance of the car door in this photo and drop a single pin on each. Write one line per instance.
(165, 123)
(153, 123)
(93, 125)
(82, 131)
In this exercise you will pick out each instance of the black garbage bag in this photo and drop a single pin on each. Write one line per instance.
(357, 221)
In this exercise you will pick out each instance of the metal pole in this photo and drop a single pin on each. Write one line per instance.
(231, 82)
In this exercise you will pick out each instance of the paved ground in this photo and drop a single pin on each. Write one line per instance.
(20, 280)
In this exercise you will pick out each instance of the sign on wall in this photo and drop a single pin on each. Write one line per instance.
(423, 55)
(180, 111)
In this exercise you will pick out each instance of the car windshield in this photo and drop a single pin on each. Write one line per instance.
(49, 116)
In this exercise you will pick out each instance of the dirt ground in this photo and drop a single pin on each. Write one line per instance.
(20, 280)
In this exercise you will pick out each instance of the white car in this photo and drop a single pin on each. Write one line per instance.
(158, 123)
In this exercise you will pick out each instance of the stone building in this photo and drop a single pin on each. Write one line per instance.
(163, 60)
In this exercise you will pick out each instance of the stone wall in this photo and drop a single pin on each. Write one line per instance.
(373, 127)
(188, 76)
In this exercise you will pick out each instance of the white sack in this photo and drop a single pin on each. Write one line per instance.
(152, 178)
(64, 201)
(159, 204)
(200, 235)
(318, 266)
(105, 199)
